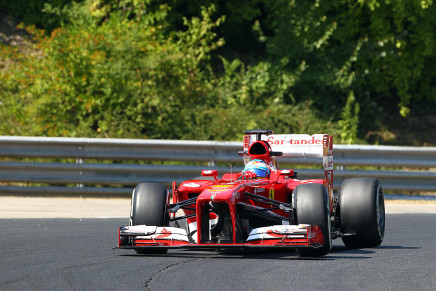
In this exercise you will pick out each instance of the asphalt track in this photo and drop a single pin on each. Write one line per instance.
(76, 254)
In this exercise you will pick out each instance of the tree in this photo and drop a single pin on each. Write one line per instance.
(382, 50)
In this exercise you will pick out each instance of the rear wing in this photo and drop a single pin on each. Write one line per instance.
(299, 146)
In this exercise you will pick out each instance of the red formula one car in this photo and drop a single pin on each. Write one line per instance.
(263, 207)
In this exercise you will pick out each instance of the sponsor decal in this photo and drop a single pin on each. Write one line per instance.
(220, 188)
(224, 187)
(271, 194)
(247, 142)
(328, 163)
(259, 190)
(164, 233)
(192, 185)
(207, 172)
(282, 140)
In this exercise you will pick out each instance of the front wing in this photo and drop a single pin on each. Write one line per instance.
(276, 236)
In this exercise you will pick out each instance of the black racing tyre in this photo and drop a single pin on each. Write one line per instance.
(362, 212)
(311, 206)
(149, 207)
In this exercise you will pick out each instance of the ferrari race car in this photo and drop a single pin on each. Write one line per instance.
(262, 207)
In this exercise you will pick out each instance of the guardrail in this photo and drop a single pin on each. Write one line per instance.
(93, 166)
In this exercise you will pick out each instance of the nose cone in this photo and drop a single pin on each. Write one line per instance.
(219, 192)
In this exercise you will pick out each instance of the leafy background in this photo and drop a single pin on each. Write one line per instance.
(363, 71)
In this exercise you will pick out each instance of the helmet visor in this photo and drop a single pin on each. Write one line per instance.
(259, 172)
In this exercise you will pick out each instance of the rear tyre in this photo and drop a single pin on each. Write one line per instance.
(149, 207)
(362, 212)
(311, 206)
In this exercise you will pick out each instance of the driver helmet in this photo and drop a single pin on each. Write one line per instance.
(259, 167)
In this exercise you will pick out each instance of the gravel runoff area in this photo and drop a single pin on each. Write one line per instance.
(55, 207)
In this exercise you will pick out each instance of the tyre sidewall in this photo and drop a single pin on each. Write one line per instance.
(361, 210)
(149, 201)
(311, 206)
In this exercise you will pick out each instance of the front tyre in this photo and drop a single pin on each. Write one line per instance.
(149, 202)
(311, 206)
(362, 212)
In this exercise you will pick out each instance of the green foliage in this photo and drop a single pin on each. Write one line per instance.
(119, 78)
(209, 69)
(350, 120)
(29, 12)
(379, 49)
(108, 73)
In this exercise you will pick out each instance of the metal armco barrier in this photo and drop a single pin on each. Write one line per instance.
(112, 167)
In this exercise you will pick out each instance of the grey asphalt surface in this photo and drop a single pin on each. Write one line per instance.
(82, 207)
(76, 254)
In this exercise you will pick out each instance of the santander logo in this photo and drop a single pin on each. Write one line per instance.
(282, 140)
